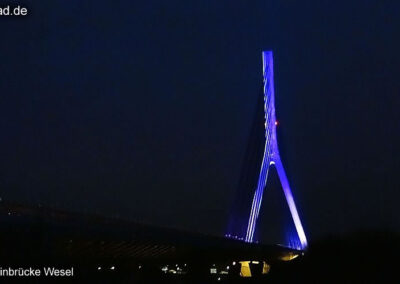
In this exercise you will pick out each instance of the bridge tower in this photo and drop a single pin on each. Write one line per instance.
(271, 158)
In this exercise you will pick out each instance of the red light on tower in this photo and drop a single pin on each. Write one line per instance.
(276, 122)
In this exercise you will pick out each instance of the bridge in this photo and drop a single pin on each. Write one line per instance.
(99, 246)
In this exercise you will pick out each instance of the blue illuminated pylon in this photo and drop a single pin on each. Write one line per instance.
(272, 158)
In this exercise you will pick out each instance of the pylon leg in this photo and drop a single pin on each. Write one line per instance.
(257, 199)
(290, 201)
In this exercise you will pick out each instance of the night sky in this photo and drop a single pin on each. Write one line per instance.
(142, 109)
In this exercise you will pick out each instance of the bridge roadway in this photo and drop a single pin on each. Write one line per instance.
(34, 234)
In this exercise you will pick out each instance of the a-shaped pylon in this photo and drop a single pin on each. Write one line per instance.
(271, 158)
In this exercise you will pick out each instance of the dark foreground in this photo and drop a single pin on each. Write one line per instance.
(101, 250)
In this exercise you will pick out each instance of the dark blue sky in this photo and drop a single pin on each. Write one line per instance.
(142, 109)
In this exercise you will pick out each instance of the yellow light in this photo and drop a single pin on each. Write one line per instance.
(245, 269)
(266, 268)
(289, 256)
